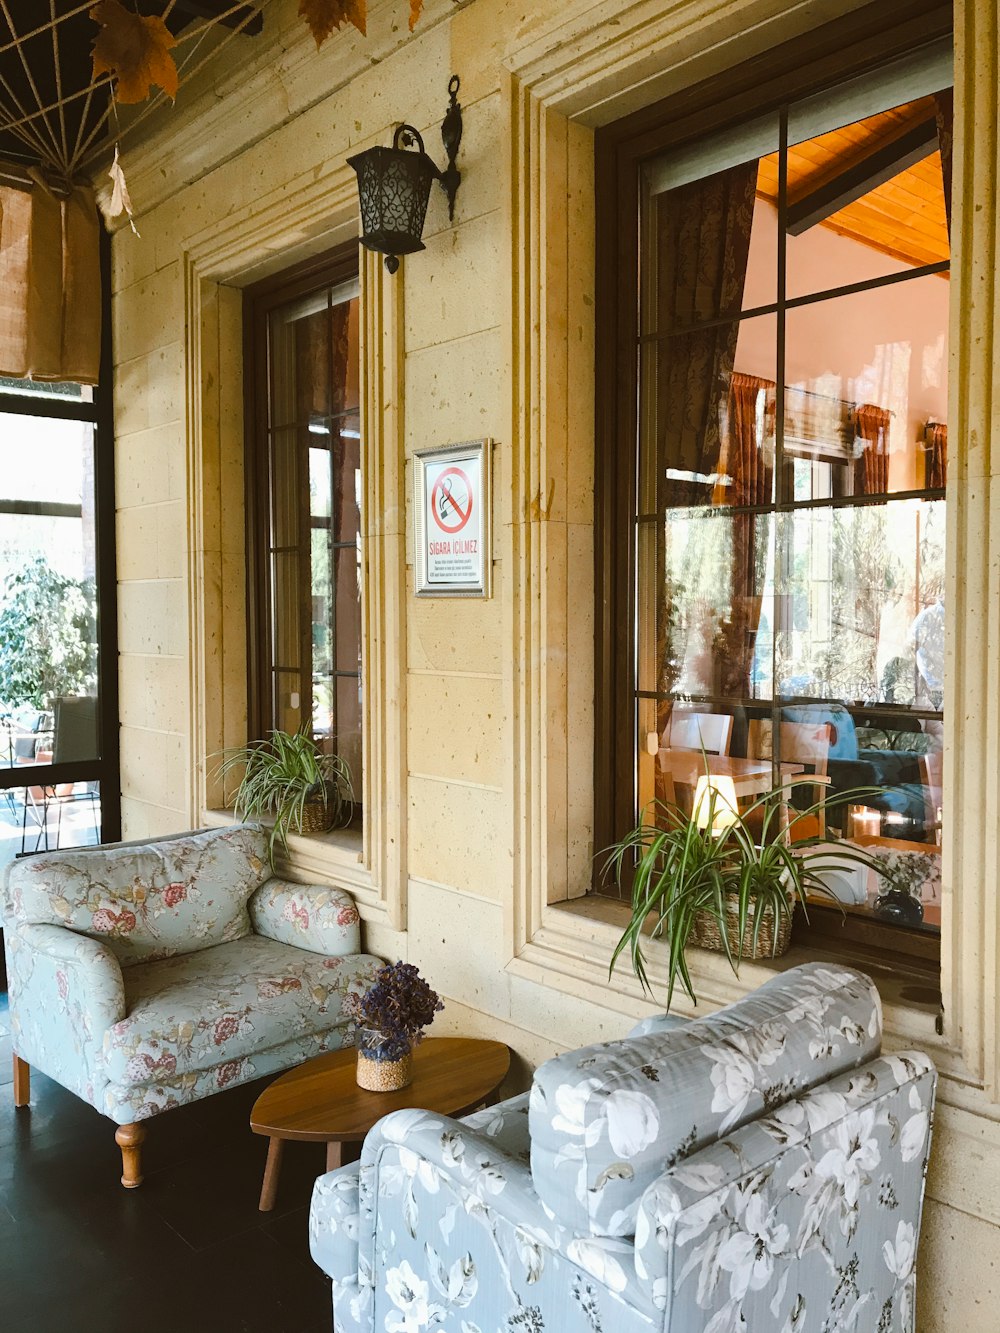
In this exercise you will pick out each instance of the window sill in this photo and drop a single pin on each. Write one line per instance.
(571, 951)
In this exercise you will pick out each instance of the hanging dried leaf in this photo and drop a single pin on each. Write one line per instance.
(120, 200)
(135, 49)
(416, 7)
(325, 15)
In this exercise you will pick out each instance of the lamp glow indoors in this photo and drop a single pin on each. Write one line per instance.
(394, 185)
(715, 803)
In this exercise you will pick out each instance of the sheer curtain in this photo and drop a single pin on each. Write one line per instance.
(50, 283)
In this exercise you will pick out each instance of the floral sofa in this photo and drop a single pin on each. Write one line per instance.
(146, 975)
(761, 1168)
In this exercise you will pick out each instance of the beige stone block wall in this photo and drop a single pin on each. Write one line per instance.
(488, 333)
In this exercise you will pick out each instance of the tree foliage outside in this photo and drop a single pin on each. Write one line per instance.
(48, 636)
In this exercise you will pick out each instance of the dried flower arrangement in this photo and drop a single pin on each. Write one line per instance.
(398, 1006)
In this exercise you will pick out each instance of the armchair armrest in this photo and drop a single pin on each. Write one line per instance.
(334, 1222)
(765, 1228)
(311, 916)
(441, 1200)
(66, 990)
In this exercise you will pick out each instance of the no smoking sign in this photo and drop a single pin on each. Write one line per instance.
(452, 520)
(451, 500)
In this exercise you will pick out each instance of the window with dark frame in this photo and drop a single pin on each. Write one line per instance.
(771, 546)
(59, 731)
(304, 505)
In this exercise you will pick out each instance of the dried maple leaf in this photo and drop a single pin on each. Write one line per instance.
(135, 49)
(325, 15)
(415, 8)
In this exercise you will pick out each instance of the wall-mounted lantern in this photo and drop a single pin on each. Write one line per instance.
(395, 184)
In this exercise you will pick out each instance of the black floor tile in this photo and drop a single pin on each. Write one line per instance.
(188, 1250)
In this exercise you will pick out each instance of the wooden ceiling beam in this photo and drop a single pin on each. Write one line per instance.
(871, 168)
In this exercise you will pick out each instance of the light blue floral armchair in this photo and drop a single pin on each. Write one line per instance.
(146, 975)
(759, 1169)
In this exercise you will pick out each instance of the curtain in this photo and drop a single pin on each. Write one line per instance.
(702, 246)
(750, 473)
(944, 114)
(935, 454)
(50, 284)
(871, 466)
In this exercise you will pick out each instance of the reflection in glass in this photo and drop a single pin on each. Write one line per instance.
(45, 818)
(866, 383)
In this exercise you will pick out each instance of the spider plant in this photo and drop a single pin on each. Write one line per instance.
(683, 866)
(283, 775)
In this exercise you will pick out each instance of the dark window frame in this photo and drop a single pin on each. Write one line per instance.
(329, 269)
(835, 52)
(106, 768)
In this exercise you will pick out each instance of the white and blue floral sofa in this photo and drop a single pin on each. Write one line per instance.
(146, 975)
(759, 1169)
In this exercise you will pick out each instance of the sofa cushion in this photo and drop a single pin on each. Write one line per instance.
(147, 900)
(196, 1011)
(605, 1121)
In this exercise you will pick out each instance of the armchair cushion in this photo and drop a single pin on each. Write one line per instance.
(450, 1230)
(758, 1229)
(65, 990)
(197, 1011)
(310, 916)
(606, 1120)
(146, 900)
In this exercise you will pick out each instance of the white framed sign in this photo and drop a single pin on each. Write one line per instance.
(452, 509)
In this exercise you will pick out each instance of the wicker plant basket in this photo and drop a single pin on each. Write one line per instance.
(706, 934)
(319, 815)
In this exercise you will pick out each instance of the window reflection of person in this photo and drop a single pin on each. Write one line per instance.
(927, 637)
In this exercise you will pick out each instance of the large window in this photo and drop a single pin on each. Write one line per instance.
(783, 617)
(304, 496)
(59, 783)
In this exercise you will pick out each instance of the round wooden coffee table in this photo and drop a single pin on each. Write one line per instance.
(320, 1101)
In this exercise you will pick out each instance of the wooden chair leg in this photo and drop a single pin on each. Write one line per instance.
(272, 1169)
(129, 1138)
(22, 1082)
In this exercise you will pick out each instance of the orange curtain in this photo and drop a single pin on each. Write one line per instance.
(50, 284)
(750, 475)
(702, 247)
(936, 454)
(871, 467)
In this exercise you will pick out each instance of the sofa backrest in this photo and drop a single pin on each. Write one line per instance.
(150, 899)
(607, 1120)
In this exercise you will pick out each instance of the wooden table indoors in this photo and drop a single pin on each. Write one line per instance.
(320, 1101)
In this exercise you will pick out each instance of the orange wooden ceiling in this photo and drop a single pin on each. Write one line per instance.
(904, 217)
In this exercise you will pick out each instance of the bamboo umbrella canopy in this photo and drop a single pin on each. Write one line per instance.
(55, 115)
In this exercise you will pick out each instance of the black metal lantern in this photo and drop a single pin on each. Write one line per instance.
(395, 184)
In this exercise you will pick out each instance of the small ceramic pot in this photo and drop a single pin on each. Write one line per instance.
(897, 906)
(376, 1072)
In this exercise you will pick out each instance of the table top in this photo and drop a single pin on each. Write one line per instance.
(320, 1101)
(683, 762)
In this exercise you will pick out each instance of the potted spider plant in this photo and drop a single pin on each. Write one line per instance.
(306, 789)
(708, 879)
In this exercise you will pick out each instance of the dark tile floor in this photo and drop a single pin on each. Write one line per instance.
(187, 1252)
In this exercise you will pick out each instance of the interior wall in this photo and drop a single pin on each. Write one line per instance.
(886, 346)
(463, 317)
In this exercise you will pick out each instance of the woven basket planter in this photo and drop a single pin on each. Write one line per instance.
(318, 815)
(706, 933)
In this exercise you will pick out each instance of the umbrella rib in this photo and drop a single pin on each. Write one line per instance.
(59, 92)
(54, 159)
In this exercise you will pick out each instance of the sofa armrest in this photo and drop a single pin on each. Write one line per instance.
(465, 1214)
(334, 1218)
(66, 990)
(815, 1204)
(311, 916)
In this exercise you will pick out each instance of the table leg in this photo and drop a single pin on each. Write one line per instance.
(334, 1155)
(269, 1189)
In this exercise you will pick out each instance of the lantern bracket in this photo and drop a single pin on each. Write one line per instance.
(451, 136)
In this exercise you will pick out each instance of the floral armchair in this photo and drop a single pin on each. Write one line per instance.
(761, 1168)
(146, 975)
